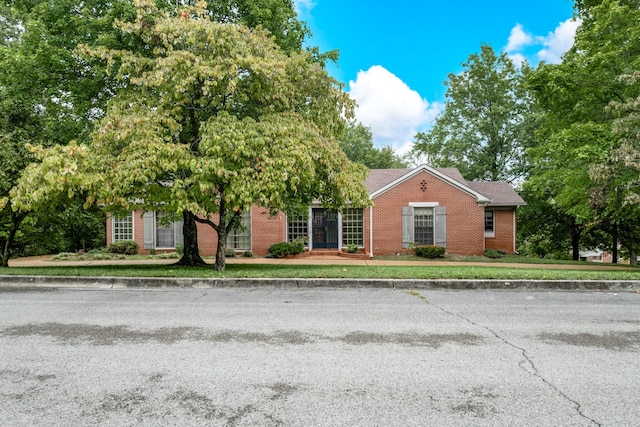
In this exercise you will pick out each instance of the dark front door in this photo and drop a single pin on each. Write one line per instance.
(325, 229)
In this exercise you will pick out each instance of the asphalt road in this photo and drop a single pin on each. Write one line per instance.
(320, 357)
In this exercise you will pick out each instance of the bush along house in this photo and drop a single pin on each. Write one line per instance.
(423, 206)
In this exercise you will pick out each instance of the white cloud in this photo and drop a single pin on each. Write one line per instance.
(517, 59)
(518, 39)
(303, 5)
(392, 110)
(523, 46)
(559, 41)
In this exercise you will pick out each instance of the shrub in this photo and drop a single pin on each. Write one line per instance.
(282, 249)
(279, 249)
(169, 255)
(180, 249)
(492, 253)
(247, 254)
(352, 248)
(428, 251)
(123, 247)
(230, 253)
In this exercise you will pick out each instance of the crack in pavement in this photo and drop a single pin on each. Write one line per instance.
(526, 364)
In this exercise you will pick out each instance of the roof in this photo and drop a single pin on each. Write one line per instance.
(499, 192)
(490, 193)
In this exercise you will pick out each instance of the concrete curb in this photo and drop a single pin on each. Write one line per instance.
(453, 284)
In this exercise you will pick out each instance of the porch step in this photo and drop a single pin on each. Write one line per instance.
(335, 252)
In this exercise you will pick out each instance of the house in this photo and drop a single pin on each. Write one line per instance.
(423, 205)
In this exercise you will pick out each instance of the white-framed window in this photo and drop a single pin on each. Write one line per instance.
(297, 227)
(424, 224)
(353, 227)
(159, 232)
(489, 224)
(122, 227)
(240, 237)
(165, 234)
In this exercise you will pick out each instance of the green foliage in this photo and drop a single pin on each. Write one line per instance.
(487, 123)
(247, 254)
(582, 166)
(230, 253)
(124, 247)
(282, 249)
(207, 131)
(357, 143)
(180, 249)
(352, 248)
(428, 251)
(492, 253)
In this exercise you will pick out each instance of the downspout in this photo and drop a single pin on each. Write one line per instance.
(515, 231)
(371, 231)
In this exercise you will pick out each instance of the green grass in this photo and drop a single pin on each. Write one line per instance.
(329, 271)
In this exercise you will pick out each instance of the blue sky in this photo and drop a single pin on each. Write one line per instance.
(395, 56)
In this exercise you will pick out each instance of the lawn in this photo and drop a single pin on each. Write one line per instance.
(425, 271)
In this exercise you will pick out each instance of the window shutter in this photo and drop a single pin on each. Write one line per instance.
(177, 232)
(407, 226)
(149, 230)
(441, 226)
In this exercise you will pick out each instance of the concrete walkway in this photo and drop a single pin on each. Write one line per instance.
(47, 261)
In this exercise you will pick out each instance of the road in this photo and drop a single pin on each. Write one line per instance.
(322, 357)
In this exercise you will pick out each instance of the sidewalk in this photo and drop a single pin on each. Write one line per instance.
(46, 261)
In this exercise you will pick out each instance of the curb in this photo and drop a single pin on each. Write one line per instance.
(451, 284)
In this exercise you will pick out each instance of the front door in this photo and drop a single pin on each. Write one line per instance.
(325, 229)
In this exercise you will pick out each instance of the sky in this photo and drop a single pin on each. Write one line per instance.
(395, 55)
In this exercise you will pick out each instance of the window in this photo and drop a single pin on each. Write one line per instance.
(423, 226)
(159, 232)
(123, 228)
(297, 227)
(489, 225)
(353, 227)
(240, 237)
(165, 236)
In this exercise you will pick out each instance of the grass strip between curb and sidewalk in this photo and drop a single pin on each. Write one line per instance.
(267, 271)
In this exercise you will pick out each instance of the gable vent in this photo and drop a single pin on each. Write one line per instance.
(423, 185)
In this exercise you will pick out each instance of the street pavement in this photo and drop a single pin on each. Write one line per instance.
(318, 357)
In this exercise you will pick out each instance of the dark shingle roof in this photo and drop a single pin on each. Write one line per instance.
(500, 193)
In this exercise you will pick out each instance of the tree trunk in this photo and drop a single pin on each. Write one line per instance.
(191, 255)
(16, 220)
(614, 249)
(575, 242)
(221, 258)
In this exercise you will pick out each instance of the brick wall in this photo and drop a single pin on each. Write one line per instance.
(266, 230)
(465, 219)
(503, 225)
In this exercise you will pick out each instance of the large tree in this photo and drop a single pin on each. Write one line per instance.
(48, 95)
(486, 125)
(51, 95)
(209, 120)
(578, 141)
(357, 143)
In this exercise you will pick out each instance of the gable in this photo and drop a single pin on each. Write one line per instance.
(380, 181)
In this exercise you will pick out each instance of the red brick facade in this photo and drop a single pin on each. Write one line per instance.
(465, 220)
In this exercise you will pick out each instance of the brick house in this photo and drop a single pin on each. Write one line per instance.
(422, 205)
